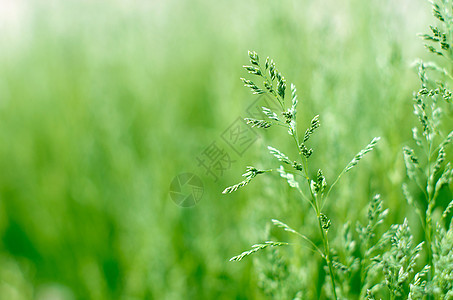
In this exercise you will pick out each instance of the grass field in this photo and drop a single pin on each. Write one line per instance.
(103, 103)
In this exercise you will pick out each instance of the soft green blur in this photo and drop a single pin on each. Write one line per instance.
(103, 103)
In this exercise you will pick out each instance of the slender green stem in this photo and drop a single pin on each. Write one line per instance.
(331, 187)
(421, 188)
(327, 256)
(363, 273)
(428, 217)
(315, 248)
(332, 278)
(325, 241)
(296, 140)
(392, 296)
(303, 195)
(314, 202)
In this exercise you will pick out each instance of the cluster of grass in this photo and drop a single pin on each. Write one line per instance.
(103, 103)
(366, 262)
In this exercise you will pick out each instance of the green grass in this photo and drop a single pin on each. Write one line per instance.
(366, 263)
(101, 105)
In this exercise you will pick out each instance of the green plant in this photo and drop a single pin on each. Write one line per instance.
(429, 174)
(391, 265)
(432, 172)
(313, 189)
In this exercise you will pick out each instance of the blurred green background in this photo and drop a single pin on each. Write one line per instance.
(103, 103)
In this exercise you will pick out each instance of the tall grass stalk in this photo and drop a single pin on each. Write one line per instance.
(274, 84)
(386, 266)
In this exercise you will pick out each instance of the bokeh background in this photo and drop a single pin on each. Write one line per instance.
(103, 103)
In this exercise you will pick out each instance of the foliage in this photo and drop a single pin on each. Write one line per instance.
(103, 103)
(393, 265)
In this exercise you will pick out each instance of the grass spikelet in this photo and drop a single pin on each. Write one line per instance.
(270, 114)
(283, 225)
(360, 155)
(447, 210)
(313, 125)
(305, 151)
(417, 289)
(437, 165)
(249, 174)
(411, 162)
(445, 179)
(279, 155)
(436, 12)
(257, 123)
(256, 248)
(253, 70)
(339, 266)
(447, 140)
(254, 88)
(321, 182)
(288, 176)
(416, 137)
(399, 262)
(376, 215)
(324, 221)
(294, 99)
